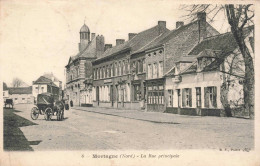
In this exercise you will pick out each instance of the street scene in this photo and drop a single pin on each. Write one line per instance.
(113, 129)
(177, 78)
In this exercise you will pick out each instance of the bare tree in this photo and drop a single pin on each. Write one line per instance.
(238, 17)
(17, 82)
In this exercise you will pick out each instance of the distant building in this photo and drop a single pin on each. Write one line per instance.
(21, 95)
(79, 67)
(43, 84)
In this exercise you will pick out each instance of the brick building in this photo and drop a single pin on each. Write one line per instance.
(79, 67)
(114, 83)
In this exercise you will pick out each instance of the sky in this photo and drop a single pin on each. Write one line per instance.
(40, 36)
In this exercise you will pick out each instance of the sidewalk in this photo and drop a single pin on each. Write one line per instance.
(158, 117)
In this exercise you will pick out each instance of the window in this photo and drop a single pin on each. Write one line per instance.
(140, 66)
(119, 69)
(137, 93)
(107, 70)
(198, 97)
(15, 99)
(186, 97)
(144, 67)
(111, 70)
(155, 69)
(128, 66)
(170, 98)
(149, 71)
(23, 98)
(179, 97)
(42, 88)
(104, 72)
(155, 95)
(160, 69)
(94, 73)
(36, 87)
(115, 69)
(123, 67)
(210, 95)
(101, 73)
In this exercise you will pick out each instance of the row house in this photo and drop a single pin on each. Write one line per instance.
(79, 68)
(120, 73)
(166, 50)
(215, 76)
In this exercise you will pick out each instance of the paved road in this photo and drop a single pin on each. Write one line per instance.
(83, 130)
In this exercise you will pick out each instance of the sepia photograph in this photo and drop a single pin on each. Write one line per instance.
(128, 82)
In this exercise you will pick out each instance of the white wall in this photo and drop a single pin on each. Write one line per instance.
(41, 89)
(196, 80)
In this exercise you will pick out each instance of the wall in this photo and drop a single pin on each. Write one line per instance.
(196, 80)
(22, 98)
(42, 88)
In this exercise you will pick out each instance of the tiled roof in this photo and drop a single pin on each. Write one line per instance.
(137, 42)
(20, 90)
(191, 69)
(164, 38)
(223, 42)
(44, 80)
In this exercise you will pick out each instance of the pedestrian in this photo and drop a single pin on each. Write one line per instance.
(71, 103)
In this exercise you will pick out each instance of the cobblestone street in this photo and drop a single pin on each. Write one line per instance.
(103, 129)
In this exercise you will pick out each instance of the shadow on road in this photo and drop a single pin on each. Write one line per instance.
(14, 139)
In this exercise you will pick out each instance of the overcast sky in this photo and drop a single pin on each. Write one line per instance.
(40, 36)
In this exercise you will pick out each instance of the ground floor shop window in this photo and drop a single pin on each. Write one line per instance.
(155, 95)
(210, 95)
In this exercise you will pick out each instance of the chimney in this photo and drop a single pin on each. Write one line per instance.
(202, 25)
(131, 35)
(107, 46)
(92, 36)
(100, 45)
(179, 24)
(162, 26)
(120, 41)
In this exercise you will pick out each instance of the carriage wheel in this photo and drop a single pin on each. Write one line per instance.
(48, 113)
(34, 113)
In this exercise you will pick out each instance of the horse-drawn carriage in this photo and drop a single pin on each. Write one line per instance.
(48, 106)
(9, 102)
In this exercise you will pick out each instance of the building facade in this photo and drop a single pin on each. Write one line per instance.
(214, 79)
(43, 85)
(21, 95)
(118, 73)
(79, 67)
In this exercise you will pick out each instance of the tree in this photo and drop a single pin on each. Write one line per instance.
(4, 86)
(17, 82)
(238, 17)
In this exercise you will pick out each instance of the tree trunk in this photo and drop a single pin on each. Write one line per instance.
(249, 83)
(224, 99)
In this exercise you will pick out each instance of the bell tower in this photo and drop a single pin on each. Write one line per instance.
(84, 37)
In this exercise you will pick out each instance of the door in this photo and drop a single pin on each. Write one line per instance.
(97, 95)
(112, 95)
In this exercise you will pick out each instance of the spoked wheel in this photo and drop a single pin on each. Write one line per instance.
(48, 114)
(34, 113)
(60, 115)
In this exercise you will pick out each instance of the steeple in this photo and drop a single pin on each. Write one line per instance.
(84, 37)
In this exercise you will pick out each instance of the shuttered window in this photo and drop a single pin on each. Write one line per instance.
(187, 97)
(210, 97)
(198, 97)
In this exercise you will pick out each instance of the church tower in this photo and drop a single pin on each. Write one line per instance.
(84, 37)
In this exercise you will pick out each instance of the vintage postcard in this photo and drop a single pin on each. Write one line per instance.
(121, 82)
